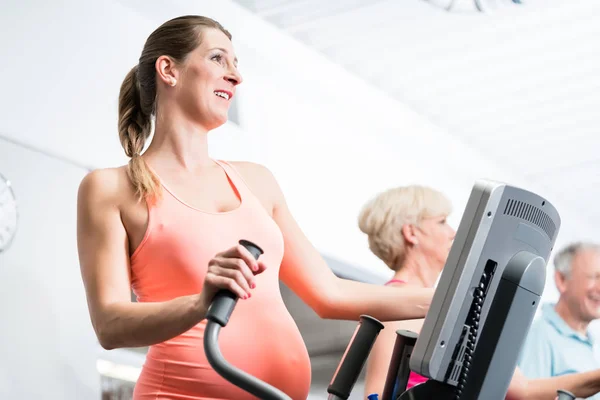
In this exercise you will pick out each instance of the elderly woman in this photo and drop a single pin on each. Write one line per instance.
(407, 229)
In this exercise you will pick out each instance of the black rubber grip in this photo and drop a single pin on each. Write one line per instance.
(224, 301)
(355, 357)
(399, 368)
(252, 248)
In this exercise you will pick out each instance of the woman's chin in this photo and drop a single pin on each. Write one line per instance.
(215, 122)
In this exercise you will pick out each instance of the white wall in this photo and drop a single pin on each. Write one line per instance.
(47, 345)
(333, 141)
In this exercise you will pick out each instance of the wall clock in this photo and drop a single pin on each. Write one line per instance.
(9, 216)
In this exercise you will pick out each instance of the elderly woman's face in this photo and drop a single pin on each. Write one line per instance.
(435, 238)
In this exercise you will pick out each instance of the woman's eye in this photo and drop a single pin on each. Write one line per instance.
(217, 58)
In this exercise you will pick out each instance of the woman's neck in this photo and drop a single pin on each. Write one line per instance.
(416, 270)
(179, 143)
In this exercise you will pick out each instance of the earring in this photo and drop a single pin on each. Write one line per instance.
(173, 82)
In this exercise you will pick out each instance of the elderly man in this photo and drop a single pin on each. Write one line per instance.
(559, 341)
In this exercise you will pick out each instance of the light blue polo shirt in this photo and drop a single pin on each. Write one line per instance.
(552, 348)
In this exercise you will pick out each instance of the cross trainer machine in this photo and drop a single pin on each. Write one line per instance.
(485, 301)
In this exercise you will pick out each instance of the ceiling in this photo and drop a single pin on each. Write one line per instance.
(522, 84)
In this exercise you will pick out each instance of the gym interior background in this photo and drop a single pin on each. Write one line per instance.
(377, 93)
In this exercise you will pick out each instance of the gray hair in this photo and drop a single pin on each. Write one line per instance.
(564, 258)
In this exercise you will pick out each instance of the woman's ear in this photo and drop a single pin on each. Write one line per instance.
(166, 70)
(409, 234)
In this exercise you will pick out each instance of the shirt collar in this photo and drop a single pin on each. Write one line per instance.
(550, 314)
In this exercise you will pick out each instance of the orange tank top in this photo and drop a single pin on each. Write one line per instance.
(261, 337)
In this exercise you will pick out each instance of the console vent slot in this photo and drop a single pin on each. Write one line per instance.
(533, 214)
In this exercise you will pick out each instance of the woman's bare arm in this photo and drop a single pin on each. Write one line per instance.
(104, 262)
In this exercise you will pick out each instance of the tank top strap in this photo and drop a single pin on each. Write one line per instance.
(394, 281)
(236, 178)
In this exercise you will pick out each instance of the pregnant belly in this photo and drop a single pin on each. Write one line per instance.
(270, 349)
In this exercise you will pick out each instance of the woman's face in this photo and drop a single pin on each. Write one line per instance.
(434, 238)
(209, 80)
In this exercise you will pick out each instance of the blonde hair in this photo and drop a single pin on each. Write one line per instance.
(383, 216)
(175, 38)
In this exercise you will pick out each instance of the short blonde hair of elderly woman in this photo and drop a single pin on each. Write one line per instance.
(383, 216)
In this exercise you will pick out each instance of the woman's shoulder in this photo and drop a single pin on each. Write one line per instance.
(261, 181)
(256, 175)
(250, 169)
(105, 184)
